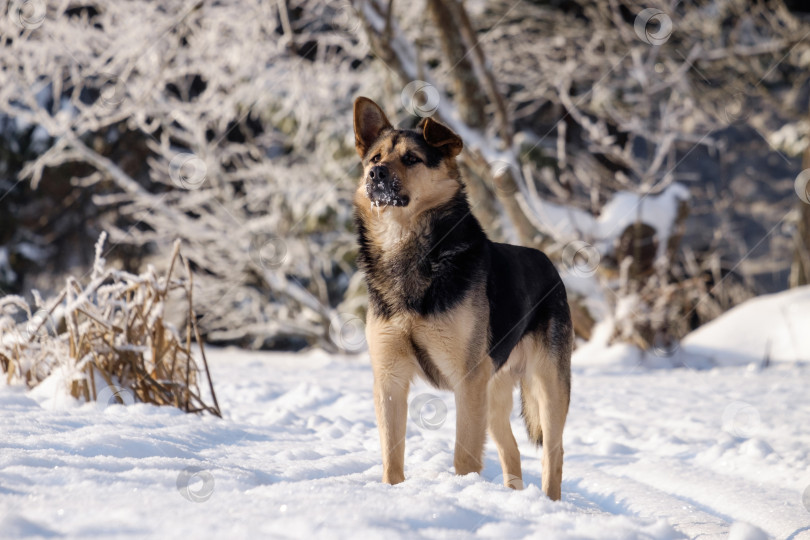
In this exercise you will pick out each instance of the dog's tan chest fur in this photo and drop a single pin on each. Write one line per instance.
(455, 341)
(388, 232)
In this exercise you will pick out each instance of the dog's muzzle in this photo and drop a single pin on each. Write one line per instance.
(383, 188)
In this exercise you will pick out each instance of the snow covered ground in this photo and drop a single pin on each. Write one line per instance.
(722, 452)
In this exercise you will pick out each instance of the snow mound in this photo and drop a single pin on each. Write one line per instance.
(625, 208)
(16, 526)
(743, 531)
(771, 328)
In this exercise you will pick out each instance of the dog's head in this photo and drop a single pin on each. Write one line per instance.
(404, 170)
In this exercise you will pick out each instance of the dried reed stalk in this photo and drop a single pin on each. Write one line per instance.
(113, 329)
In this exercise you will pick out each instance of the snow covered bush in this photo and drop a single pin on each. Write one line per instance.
(109, 340)
(224, 124)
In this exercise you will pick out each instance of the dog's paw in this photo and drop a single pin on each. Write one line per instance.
(393, 478)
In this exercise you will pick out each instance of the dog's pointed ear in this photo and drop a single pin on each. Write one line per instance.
(441, 136)
(369, 122)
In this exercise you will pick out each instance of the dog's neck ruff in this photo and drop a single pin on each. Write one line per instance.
(389, 229)
(425, 268)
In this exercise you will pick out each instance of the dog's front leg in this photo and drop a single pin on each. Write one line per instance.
(391, 405)
(393, 370)
(471, 420)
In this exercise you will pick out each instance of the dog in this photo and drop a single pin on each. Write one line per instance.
(447, 304)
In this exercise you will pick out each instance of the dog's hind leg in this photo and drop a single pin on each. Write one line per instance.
(499, 409)
(547, 390)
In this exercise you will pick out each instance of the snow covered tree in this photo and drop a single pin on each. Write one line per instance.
(228, 126)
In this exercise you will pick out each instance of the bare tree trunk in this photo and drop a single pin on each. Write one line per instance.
(471, 104)
(484, 73)
(469, 74)
(800, 269)
(466, 88)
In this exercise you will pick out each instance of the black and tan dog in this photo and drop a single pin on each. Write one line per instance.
(446, 303)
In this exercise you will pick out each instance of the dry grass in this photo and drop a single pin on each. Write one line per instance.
(111, 331)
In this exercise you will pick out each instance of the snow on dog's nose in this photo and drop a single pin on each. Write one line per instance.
(383, 188)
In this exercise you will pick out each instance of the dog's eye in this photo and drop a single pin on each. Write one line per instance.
(376, 159)
(410, 159)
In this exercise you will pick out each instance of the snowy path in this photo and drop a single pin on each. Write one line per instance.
(649, 454)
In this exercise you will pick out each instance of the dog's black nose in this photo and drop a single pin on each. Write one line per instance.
(378, 173)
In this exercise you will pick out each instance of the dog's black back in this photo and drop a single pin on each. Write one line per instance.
(525, 295)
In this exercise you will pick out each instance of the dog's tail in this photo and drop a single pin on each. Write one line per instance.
(530, 411)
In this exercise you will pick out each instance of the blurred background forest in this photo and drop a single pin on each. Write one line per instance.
(653, 149)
